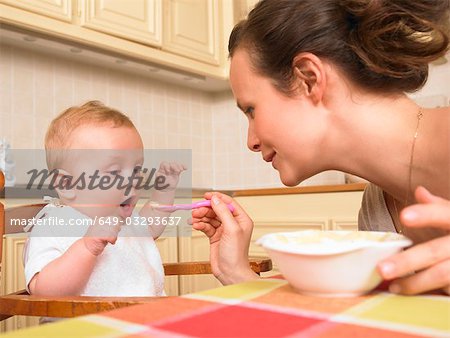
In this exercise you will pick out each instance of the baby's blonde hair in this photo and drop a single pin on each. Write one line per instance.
(61, 128)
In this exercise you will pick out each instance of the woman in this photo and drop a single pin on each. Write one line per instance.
(323, 86)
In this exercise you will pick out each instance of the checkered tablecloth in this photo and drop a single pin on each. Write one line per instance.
(263, 308)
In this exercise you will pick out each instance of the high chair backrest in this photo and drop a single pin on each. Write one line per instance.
(11, 220)
(15, 216)
(2, 215)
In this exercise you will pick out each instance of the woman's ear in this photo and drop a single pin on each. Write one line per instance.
(65, 185)
(310, 77)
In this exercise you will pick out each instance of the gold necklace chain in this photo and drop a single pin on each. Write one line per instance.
(411, 161)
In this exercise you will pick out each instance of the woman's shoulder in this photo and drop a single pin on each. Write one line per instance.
(374, 214)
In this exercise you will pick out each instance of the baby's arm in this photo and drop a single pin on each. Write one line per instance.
(171, 172)
(69, 273)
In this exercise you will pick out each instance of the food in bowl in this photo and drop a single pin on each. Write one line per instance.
(332, 263)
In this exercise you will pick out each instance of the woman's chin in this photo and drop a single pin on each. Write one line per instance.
(289, 181)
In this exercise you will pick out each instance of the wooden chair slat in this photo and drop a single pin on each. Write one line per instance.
(66, 307)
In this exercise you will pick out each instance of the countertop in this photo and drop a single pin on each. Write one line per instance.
(22, 192)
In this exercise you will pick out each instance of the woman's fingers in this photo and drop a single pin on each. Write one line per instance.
(416, 258)
(422, 195)
(435, 277)
(224, 197)
(426, 215)
(203, 212)
(220, 208)
(426, 266)
(214, 222)
(431, 211)
(238, 212)
(206, 228)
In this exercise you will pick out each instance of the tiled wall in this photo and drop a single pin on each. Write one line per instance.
(35, 87)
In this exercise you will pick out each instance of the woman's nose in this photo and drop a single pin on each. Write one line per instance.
(253, 142)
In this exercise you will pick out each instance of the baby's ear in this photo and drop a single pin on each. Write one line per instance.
(65, 185)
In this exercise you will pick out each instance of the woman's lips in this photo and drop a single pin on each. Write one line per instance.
(273, 161)
(269, 158)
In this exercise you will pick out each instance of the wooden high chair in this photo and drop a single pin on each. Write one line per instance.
(21, 303)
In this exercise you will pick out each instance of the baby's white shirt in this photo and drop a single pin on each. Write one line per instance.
(130, 267)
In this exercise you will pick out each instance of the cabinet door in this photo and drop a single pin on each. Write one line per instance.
(57, 9)
(193, 249)
(136, 20)
(168, 249)
(192, 29)
(242, 8)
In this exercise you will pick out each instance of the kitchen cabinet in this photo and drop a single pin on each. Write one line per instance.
(193, 249)
(187, 35)
(137, 20)
(192, 28)
(242, 8)
(60, 10)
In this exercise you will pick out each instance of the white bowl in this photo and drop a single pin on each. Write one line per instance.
(331, 263)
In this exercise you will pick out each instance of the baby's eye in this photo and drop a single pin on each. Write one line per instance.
(113, 172)
(137, 169)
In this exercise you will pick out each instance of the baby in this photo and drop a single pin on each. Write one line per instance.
(94, 140)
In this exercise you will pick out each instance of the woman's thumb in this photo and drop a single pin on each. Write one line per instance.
(221, 209)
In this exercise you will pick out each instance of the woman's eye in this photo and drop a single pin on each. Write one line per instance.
(250, 112)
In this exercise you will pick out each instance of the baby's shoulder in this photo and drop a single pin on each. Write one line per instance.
(62, 211)
(58, 221)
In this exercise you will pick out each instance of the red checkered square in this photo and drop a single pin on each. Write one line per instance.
(239, 321)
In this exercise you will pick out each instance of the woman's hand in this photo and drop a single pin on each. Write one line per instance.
(229, 236)
(426, 266)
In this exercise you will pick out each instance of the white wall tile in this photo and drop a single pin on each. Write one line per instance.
(35, 87)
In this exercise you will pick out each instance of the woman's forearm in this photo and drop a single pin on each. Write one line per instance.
(66, 275)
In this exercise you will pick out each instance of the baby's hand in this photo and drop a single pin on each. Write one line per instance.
(171, 171)
(98, 236)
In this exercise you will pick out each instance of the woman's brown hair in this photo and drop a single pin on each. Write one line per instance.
(380, 45)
